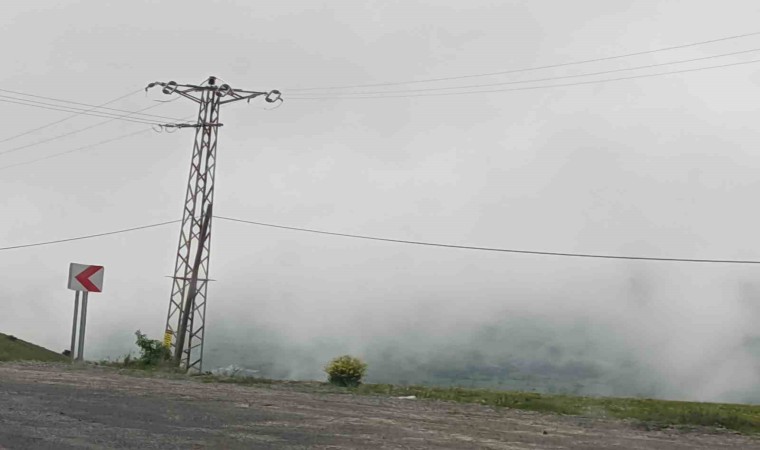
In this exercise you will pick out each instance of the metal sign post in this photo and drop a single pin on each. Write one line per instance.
(74, 326)
(82, 326)
(82, 278)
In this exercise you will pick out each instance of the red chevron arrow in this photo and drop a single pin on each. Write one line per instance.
(84, 278)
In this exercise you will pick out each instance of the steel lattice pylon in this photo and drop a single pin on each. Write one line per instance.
(186, 318)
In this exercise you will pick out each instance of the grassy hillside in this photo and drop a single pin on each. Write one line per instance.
(14, 349)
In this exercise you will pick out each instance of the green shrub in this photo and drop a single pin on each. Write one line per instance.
(346, 371)
(152, 352)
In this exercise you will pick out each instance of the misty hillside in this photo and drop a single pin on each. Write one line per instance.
(538, 355)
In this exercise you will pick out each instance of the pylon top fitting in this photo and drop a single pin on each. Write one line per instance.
(224, 90)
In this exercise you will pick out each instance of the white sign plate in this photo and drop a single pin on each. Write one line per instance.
(87, 278)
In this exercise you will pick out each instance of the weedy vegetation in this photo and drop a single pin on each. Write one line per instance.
(346, 371)
(153, 356)
(152, 352)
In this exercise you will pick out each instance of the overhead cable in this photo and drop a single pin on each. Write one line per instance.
(87, 105)
(493, 249)
(403, 241)
(76, 114)
(89, 236)
(536, 80)
(85, 147)
(78, 130)
(534, 68)
(529, 88)
(128, 116)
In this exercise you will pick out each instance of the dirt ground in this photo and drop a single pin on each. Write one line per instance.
(48, 406)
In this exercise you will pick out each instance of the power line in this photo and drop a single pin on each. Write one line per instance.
(531, 88)
(536, 80)
(56, 122)
(58, 100)
(89, 236)
(403, 241)
(67, 109)
(54, 138)
(56, 155)
(493, 249)
(530, 69)
(79, 130)
(85, 112)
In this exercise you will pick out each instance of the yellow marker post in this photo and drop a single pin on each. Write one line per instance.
(168, 338)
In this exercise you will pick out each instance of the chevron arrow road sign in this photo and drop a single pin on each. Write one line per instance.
(83, 277)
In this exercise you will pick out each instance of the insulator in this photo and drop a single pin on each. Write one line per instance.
(223, 90)
(170, 87)
(273, 96)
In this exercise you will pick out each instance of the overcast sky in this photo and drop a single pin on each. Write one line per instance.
(663, 166)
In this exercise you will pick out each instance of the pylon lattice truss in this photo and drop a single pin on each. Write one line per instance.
(186, 318)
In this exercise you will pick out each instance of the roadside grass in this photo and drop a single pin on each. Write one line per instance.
(138, 368)
(648, 413)
(14, 349)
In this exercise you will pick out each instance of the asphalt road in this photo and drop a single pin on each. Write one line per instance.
(45, 406)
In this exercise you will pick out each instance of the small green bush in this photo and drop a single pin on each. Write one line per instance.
(152, 352)
(346, 371)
